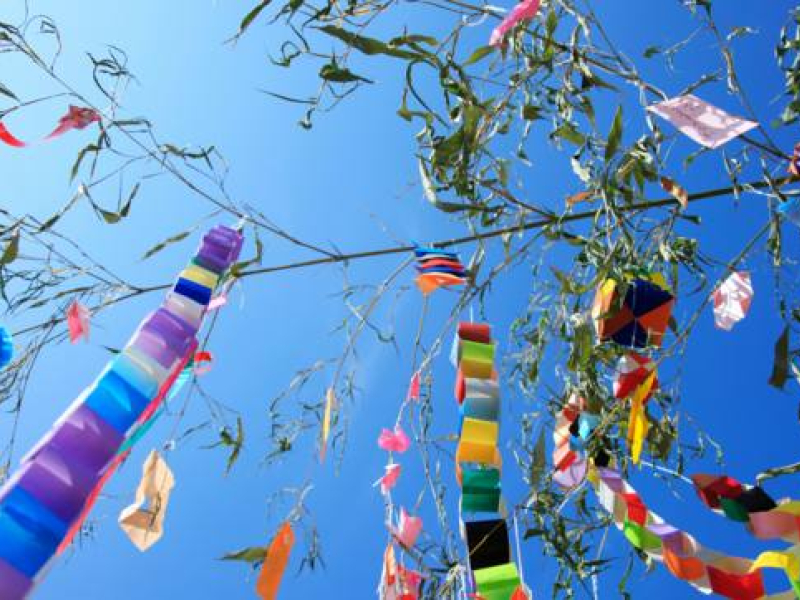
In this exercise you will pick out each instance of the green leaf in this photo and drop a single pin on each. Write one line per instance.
(252, 15)
(780, 364)
(7, 92)
(168, 242)
(570, 133)
(538, 460)
(337, 74)
(254, 554)
(478, 55)
(12, 249)
(367, 45)
(615, 135)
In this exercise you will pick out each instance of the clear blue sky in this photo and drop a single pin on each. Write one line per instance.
(348, 182)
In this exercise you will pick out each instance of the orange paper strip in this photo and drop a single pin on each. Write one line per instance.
(269, 580)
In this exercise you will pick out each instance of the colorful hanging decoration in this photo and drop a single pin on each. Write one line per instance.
(143, 521)
(707, 125)
(438, 268)
(524, 11)
(414, 387)
(275, 562)
(330, 404)
(397, 582)
(389, 479)
(77, 117)
(45, 500)
(478, 464)
(732, 300)
(6, 347)
(705, 569)
(394, 441)
(765, 518)
(78, 322)
(790, 210)
(635, 313)
(794, 163)
(407, 530)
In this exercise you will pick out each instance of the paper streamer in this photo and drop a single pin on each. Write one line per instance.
(707, 125)
(6, 347)
(330, 403)
(275, 562)
(143, 521)
(44, 501)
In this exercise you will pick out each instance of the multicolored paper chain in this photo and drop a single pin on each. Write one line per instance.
(766, 519)
(705, 569)
(44, 502)
(478, 464)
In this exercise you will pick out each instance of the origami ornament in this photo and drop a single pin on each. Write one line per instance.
(707, 125)
(524, 11)
(275, 562)
(407, 530)
(78, 322)
(45, 501)
(732, 300)
(389, 480)
(438, 268)
(77, 117)
(637, 319)
(6, 347)
(330, 404)
(394, 441)
(143, 521)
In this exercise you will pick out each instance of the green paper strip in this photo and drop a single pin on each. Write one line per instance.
(641, 537)
(480, 501)
(497, 583)
(476, 352)
(734, 511)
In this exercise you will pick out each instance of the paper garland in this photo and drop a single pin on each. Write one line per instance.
(765, 518)
(707, 125)
(47, 496)
(438, 268)
(478, 465)
(705, 569)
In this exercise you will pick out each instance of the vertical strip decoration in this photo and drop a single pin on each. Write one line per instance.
(478, 464)
(46, 499)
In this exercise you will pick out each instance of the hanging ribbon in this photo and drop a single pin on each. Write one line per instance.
(275, 562)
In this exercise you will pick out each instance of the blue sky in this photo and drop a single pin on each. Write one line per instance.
(349, 181)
